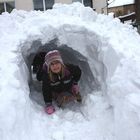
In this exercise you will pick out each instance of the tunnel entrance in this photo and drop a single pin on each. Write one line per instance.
(88, 81)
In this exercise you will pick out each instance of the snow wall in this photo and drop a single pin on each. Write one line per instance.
(96, 40)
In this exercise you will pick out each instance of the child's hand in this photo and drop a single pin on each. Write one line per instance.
(75, 88)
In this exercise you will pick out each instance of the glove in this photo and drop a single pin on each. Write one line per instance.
(49, 109)
(75, 89)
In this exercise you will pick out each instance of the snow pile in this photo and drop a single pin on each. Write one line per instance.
(112, 51)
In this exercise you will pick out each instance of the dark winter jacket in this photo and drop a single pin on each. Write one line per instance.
(38, 61)
(60, 84)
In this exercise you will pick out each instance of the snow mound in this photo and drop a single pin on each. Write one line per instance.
(111, 50)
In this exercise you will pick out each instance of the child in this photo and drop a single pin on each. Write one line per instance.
(58, 79)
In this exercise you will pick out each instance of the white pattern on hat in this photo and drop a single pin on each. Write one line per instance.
(53, 56)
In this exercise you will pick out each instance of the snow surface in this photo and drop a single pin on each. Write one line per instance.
(115, 3)
(112, 50)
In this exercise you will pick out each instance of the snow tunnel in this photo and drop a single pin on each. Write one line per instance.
(93, 70)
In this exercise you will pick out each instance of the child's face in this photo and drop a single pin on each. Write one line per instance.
(55, 66)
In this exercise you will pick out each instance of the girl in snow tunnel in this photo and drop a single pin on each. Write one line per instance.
(59, 81)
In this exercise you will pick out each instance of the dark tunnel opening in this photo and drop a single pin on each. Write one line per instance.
(87, 82)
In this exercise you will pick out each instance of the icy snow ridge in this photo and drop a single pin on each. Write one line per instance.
(112, 51)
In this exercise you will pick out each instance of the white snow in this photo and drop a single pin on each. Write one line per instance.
(112, 50)
(115, 3)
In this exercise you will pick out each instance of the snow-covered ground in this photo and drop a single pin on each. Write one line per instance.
(112, 50)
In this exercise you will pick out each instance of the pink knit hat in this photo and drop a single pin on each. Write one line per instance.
(53, 56)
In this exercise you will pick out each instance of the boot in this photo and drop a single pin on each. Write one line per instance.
(78, 97)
